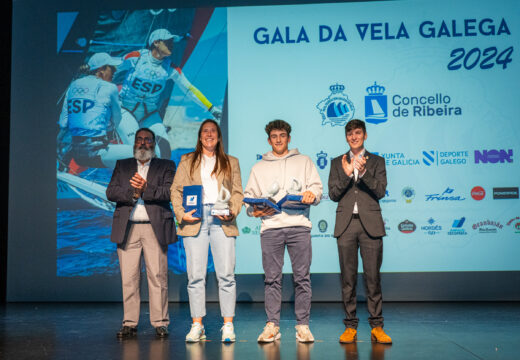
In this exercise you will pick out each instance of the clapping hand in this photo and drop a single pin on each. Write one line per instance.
(139, 185)
(360, 165)
(348, 167)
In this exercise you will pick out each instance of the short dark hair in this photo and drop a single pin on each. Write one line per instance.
(278, 125)
(355, 124)
(144, 129)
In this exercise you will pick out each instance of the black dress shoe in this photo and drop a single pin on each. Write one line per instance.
(161, 331)
(127, 332)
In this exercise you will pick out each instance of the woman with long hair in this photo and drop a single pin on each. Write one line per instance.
(212, 168)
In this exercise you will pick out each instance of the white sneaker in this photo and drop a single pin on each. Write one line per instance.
(196, 333)
(228, 333)
(270, 333)
(303, 334)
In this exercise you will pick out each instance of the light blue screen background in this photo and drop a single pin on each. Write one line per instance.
(288, 80)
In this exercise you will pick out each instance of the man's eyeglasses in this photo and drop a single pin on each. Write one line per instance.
(141, 140)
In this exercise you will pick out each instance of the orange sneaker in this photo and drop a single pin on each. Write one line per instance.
(349, 336)
(379, 336)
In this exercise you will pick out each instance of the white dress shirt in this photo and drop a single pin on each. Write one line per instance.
(356, 175)
(139, 211)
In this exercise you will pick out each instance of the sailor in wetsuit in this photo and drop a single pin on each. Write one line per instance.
(145, 75)
(89, 114)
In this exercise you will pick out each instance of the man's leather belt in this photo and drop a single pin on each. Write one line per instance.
(139, 222)
(355, 216)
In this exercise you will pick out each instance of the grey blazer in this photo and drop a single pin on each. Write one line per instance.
(156, 198)
(366, 191)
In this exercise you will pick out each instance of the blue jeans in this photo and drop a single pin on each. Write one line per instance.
(223, 250)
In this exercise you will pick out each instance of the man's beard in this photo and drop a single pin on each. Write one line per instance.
(144, 154)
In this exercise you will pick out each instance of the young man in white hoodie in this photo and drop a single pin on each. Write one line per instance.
(290, 228)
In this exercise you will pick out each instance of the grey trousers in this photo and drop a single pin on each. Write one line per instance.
(298, 242)
(141, 239)
(354, 238)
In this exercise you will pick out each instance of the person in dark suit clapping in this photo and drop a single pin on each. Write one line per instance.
(357, 181)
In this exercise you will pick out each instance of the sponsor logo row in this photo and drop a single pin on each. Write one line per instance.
(322, 226)
(457, 227)
(409, 195)
(477, 193)
(432, 158)
(429, 227)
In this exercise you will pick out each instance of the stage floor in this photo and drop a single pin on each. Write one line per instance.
(419, 331)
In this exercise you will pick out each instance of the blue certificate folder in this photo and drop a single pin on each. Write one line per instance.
(192, 199)
(262, 203)
(292, 202)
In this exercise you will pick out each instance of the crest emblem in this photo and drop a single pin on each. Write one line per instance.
(376, 105)
(336, 109)
(322, 159)
(408, 194)
(322, 226)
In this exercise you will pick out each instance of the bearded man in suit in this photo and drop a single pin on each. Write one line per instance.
(357, 181)
(143, 225)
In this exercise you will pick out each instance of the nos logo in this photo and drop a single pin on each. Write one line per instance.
(493, 156)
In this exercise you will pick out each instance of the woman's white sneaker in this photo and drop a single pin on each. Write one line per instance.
(196, 333)
(228, 333)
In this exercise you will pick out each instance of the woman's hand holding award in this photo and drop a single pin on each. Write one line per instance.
(221, 207)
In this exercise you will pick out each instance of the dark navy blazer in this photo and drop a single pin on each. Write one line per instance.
(156, 198)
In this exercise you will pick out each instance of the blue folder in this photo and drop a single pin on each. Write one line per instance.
(262, 203)
(192, 199)
(290, 201)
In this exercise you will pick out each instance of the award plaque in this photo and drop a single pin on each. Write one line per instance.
(296, 187)
(221, 206)
(292, 200)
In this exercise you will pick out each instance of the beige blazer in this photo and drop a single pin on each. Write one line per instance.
(183, 178)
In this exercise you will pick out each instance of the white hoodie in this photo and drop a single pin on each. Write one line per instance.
(283, 170)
